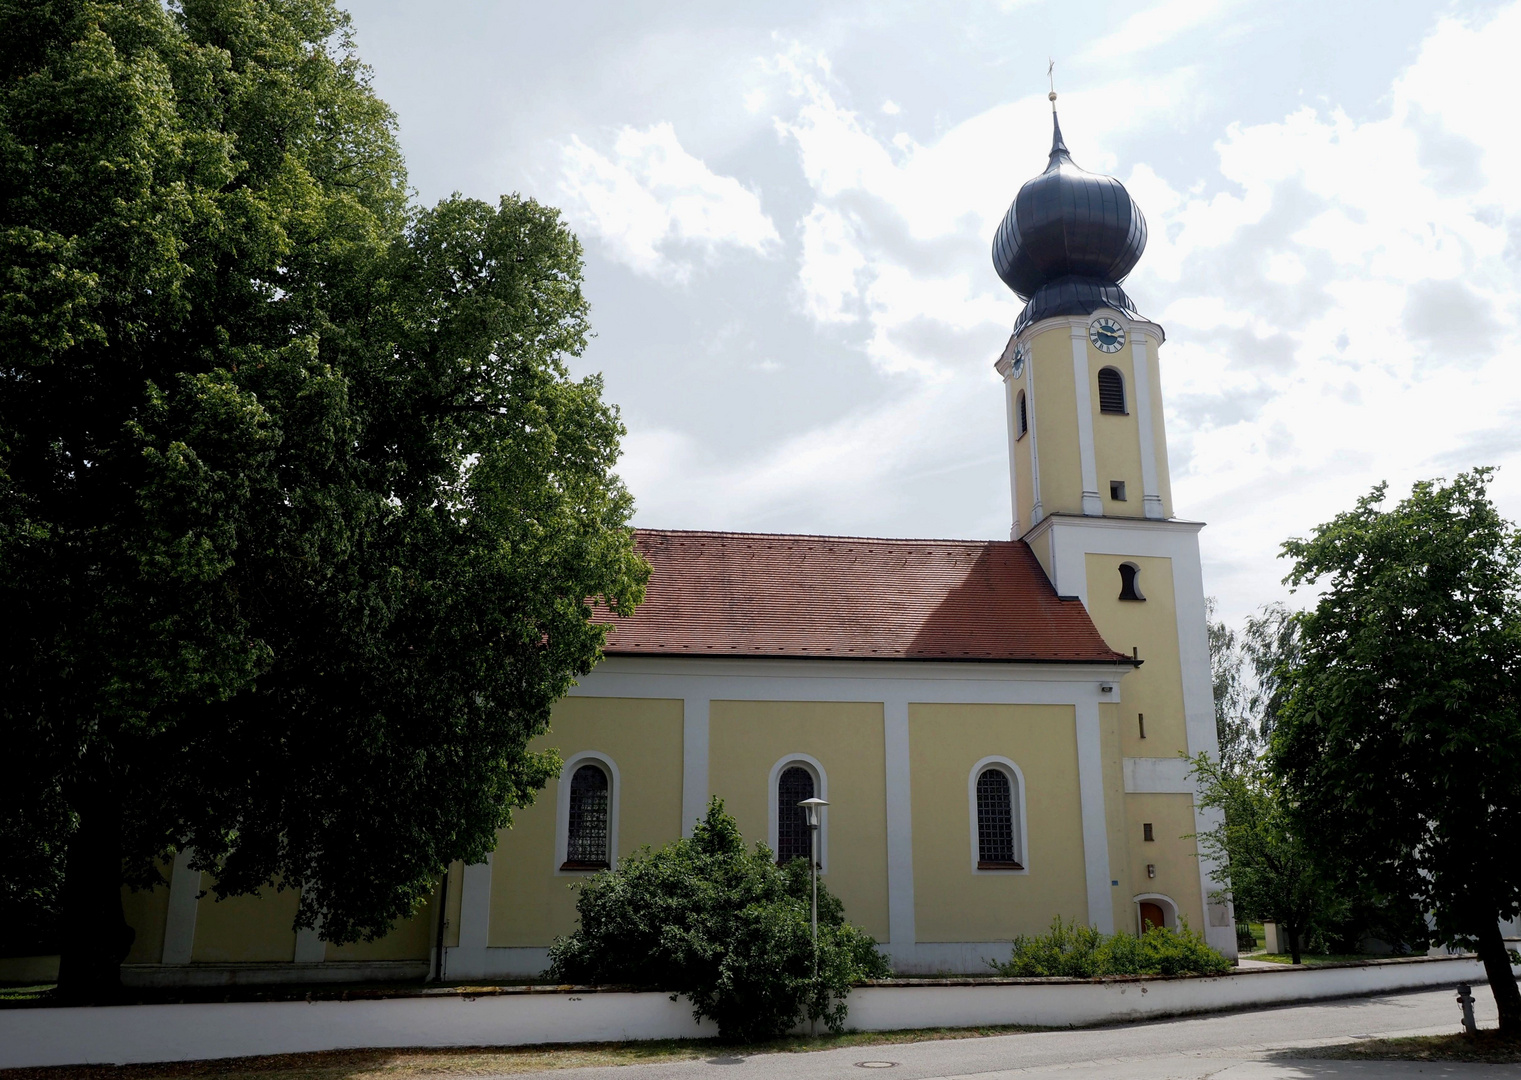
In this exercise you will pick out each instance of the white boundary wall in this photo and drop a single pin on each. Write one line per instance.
(148, 1033)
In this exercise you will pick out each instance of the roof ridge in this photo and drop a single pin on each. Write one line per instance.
(822, 536)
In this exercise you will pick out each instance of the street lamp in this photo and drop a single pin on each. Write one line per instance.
(814, 809)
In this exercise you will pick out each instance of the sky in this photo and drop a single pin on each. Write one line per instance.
(787, 210)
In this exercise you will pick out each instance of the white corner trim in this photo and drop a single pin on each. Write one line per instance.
(562, 808)
(1011, 409)
(179, 919)
(310, 948)
(1092, 504)
(694, 761)
(1037, 511)
(1157, 776)
(1140, 366)
(900, 822)
(820, 791)
(1017, 791)
(468, 959)
(1090, 781)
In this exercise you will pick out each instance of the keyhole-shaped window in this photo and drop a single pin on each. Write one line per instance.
(1130, 585)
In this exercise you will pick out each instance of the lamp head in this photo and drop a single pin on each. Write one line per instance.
(812, 807)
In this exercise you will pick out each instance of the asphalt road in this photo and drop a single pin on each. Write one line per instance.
(1236, 1046)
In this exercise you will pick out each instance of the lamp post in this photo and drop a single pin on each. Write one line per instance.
(813, 808)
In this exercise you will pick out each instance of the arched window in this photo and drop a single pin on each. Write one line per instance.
(995, 822)
(997, 802)
(792, 832)
(587, 832)
(1022, 416)
(1130, 586)
(1111, 391)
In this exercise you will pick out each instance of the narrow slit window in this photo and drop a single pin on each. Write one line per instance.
(1146, 830)
(1117, 490)
(995, 822)
(586, 842)
(1022, 417)
(1111, 391)
(1130, 586)
(792, 839)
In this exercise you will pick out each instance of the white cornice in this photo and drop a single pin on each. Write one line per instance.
(1052, 521)
(920, 670)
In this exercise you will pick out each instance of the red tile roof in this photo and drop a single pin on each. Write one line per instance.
(759, 594)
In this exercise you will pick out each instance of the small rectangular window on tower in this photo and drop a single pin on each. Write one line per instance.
(1117, 490)
(1146, 828)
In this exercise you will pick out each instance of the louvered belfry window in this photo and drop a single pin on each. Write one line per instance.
(1024, 416)
(1111, 391)
(792, 787)
(995, 822)
(586, 840)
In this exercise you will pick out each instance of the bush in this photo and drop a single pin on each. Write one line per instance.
(1081, 952)
(726, 927)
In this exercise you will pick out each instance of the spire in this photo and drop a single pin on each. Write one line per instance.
(1059, 152)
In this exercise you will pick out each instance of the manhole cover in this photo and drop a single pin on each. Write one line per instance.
(875, 1064)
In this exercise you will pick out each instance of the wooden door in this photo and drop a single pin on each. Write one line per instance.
(1151, 915)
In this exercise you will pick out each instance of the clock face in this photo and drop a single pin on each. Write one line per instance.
(1021, 354)
(1107, 335)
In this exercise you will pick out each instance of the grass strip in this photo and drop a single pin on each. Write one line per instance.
(432, 1064)
(1489, 1047)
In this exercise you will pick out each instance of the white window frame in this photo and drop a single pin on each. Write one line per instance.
(820, 791)
(562, 809)
(1168, 905)
(1016, 802)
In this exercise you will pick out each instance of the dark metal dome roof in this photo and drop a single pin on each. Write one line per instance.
(1067, 223)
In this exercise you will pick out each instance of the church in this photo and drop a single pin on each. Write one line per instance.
(997, 727)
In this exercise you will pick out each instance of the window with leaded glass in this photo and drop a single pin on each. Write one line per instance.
(995, 822)
(586, 840)
(792, 839)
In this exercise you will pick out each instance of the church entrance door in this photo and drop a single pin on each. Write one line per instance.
(1151, 915)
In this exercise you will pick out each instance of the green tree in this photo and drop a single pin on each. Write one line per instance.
(1399, 741)
(1235, 730)
(726, 927)
(1268, 870)
(299, 507)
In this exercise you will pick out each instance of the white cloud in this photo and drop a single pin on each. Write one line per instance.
(1155, 26)
(654, 205)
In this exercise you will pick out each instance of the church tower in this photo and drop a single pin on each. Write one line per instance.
(1091, 496)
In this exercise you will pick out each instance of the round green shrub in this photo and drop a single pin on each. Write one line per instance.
(723, 925)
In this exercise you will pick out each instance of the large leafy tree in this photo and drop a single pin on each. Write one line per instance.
(1399, 739)
(300, 511)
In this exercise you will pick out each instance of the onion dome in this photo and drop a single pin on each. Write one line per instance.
(1068, 240)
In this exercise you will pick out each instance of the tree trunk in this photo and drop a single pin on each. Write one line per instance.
(1502, 981)
(95, 935)
(1293, 929)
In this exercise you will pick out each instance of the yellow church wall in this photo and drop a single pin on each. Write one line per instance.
(1116, 438)
(409, 939)
(1115, 820)
(746, 738)
(951, 902)
(245, 929)
(146, 911)
(1061, 473)
(530, 903)
(1156, 687)
(1024, 482)
(1172, 819)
